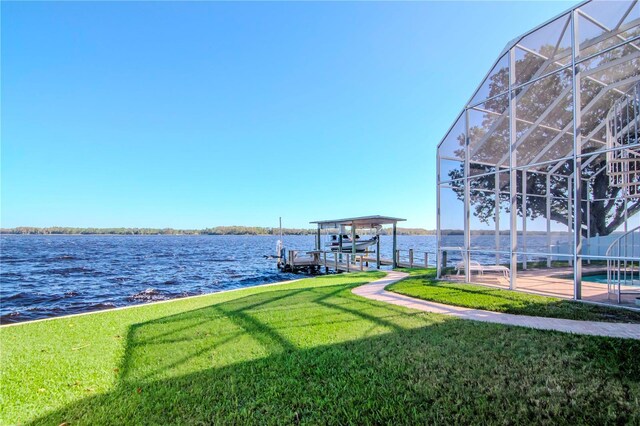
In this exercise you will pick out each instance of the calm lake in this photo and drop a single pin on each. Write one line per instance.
(51, 275)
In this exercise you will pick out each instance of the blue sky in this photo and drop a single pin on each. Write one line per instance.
(191, 115)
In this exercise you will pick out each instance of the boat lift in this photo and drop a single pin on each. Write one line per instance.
(346, 260)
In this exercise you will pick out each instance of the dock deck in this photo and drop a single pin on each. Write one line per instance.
(314, 260)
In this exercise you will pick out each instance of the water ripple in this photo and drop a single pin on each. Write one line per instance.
(51, 275)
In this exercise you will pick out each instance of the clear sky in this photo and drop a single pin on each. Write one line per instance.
(192, 115)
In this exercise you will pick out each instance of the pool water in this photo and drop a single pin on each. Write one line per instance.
(602, 279)
(599, 278)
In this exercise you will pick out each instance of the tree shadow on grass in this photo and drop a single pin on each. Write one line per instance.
(252, 327)
(307, 356)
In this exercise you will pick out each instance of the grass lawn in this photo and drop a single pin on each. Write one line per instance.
(308, 352)
(423, 285)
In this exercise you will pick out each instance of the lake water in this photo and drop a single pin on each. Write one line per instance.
(51, 275)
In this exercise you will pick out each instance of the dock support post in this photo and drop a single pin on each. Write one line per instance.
(426, 259)
(410, 258)
(353, 240)
(318, 238)
(378, 253)
(395, 246)
(335, 258)
(361, 268)
(340, 243)
(348, 263)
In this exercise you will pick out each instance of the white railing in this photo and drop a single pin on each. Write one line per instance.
(413, 258)
(343, 259)
(329, 259)
(346, 260)
(623, 265)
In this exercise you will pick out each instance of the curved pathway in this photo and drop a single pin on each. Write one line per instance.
(375, 291)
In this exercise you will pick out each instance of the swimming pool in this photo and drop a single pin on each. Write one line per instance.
(597, 278)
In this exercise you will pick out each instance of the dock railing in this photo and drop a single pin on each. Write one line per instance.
(345, 261)
(348, 261)
(410, 258)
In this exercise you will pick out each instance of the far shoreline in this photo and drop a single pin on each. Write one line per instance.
(218, 231)
(195, 235)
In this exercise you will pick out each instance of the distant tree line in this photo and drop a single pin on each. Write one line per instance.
(254, 230)
(408, 231)
(217, 230)
(62, 230)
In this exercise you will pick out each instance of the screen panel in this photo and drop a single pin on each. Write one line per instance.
(489, 135)
(544, 119)
(545, 50)
(602, 24)
(497, 81)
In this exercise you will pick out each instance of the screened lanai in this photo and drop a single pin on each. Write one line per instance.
(539, 176)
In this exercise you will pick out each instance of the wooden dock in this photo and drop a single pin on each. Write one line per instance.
(316, 260)
(408, 260)
(349, 260)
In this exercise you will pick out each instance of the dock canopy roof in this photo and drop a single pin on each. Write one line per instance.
(359, 222)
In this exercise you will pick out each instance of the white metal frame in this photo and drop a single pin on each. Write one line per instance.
(580, 70)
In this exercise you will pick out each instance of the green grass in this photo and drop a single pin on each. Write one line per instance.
(423, 285)
(308, 352)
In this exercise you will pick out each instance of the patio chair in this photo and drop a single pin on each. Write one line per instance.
(475, 266)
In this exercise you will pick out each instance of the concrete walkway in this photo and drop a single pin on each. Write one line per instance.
(375, 291)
